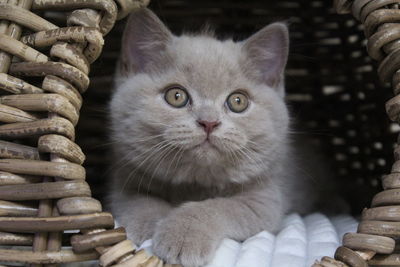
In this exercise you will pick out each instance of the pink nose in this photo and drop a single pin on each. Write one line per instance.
(208, 126)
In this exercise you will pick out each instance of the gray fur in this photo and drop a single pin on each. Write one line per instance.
(170, 186)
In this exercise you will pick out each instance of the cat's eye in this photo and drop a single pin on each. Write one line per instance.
(237, 102)
(176, 96)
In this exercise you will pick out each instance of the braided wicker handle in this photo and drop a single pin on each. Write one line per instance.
(380, 225)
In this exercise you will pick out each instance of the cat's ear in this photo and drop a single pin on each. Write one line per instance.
(266, 54)
(144, 43)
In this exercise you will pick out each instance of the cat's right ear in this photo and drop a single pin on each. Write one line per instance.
(144, 43)
(266, 54)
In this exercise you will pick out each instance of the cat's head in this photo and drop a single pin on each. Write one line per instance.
(192, 104)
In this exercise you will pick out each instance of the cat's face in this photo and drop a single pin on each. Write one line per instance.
(193, 104)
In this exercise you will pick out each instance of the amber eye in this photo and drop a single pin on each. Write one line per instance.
(237, 102)
(176, 96)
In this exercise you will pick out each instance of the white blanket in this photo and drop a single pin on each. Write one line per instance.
(299, 243)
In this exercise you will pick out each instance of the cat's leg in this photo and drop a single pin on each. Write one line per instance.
(191, 233)
(139, 215)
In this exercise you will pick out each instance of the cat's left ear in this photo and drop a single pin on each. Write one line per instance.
(266, 54)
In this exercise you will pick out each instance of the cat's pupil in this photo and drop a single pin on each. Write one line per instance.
(177, 95)
(238, 100)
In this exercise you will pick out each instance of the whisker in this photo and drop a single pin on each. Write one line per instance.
(159, 152)
(129, 154)
(126, 157)
(172, 161)
(244, 152)
(106, 144)
(115, 166)
(155, 148)
(159, 164)
(131, 141)
(148, 138)
(158, 123)
(231, 154)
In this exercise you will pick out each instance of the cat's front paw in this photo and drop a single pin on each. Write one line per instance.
(184, 238)
(140, 229)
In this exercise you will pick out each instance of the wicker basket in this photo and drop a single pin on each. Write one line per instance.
(46, 48)
(46, 51)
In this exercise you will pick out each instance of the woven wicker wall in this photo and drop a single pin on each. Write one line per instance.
(332, 85)
(46, 48)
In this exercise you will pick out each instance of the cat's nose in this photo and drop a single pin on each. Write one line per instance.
(208, 126)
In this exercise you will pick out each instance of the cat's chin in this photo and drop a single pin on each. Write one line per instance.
(206, 153)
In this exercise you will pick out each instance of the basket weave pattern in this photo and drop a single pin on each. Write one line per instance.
(44, 70)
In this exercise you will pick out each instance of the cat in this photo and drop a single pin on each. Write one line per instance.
(201, 139)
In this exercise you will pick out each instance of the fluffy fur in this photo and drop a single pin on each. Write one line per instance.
(171, 184)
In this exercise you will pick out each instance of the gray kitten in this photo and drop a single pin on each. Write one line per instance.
(201, 139)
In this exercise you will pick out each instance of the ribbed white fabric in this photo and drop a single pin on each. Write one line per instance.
(299, 243)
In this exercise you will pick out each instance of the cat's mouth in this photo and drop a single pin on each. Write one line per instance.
(206, 144)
